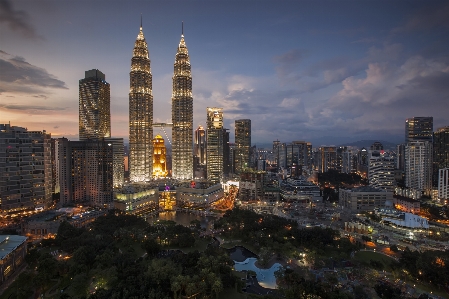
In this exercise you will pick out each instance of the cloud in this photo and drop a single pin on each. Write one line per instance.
(17, 20)
(436, 17)
(288, 63)
(21, 76)
(387, 94)
(30, 109)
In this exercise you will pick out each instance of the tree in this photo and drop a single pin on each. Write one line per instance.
(151, 247)
(217, 287)
(394, 248)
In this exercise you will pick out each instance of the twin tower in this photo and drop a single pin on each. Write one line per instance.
(141, 114)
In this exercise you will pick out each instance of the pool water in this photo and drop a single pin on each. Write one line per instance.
(265, 277)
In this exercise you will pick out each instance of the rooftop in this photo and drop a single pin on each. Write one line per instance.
(366, 189)
(8, 243)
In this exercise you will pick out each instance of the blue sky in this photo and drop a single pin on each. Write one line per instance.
(328, 72)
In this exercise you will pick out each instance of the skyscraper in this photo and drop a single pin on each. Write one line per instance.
(200, 145)
(214, 148)
(418, 129)
(140, 113)
(243, 144)
(94, 106)
(440, 152)
(182, 115)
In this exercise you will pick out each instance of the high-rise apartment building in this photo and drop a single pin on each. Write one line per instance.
(214, 140)
(25, 169)
(140, 113)
(243, 144)
(182, 115)
(440, 152)
(418, 129)
(418, 166)
(86, 171)
(443, 183)
(381, 171)
(94, 106)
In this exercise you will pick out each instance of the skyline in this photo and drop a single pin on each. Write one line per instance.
(329, 72)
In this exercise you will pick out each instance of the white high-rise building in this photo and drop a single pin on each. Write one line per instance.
(381, 172)
(418, 166)
(443, 183)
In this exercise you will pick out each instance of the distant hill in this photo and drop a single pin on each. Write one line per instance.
(367, 143)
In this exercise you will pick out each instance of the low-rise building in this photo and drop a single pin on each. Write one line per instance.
(198, 194)
(406, 204)
(12, 255)
(365, 198)
(407, 220)
(137, 199)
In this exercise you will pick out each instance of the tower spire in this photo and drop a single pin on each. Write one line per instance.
(182, 28)
(140, 21)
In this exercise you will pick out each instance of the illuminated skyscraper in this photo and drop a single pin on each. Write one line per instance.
(418, 129)
(182, 115)
(243, 144)
(94, 106)
(214, 148)
(159, 157)
(140, 113)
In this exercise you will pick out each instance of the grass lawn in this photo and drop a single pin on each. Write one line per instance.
(367, 256)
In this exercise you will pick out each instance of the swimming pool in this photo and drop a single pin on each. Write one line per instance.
(265, 277)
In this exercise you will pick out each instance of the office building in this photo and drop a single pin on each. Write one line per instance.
(214, 140)
(440, 152)
(159, 157)
(25, 169)
(199, 149)
(362, 162)
(118, 161)
(140, 113)
(400, 157)
(243, 144)
(365, 198)
(418, 129)
(182, 115)
(86, 172)
(327, 158)
(227, 166)
(94, 106)
(349, 160)
(418, 166)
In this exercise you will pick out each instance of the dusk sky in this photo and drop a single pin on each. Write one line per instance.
(328, 72)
